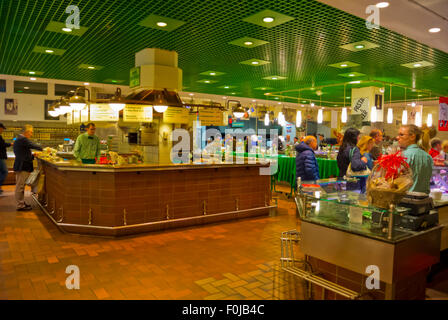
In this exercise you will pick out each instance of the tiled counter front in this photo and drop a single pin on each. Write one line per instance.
(118, 203)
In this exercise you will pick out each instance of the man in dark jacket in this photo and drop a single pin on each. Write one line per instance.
(23, 164)
(306, 164)
(3, 157)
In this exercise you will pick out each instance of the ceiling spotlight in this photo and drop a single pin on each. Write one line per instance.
(86, 83)
(191, 94)
(26, 88)
(413, 104)
(351, 75)
(268, 19)
(213, 73)
(359, 46)
(254, 100)
(434, 30)
(354, 82)
(248, 43)
(67, 29)
(161, 24)
(207, 81)
(226, 87)
(312, 104)
(344, 65)
(382, 5)
(417, 65)
(279, 103)
(224, 97)
(32, 79)
(49, 51)
(274, 78)
(32, 72)
(382, 90)
(255, 62)
(90, 67)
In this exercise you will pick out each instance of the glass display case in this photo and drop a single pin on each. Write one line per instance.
(439, 179)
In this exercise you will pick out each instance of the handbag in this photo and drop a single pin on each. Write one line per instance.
(32, 178)
(351, 173)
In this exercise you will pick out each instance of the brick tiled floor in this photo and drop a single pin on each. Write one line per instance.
(233, 260)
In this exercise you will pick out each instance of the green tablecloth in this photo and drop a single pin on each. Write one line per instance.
(327, 168)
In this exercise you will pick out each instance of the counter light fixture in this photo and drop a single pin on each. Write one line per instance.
(390, 115)
(52, 112)
(239, 111)
(78, 102)
(64, 106)
(117, 102)
(434, 30)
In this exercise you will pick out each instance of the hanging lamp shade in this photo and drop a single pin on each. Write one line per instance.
(390, 115)
(404, 118)
(239, 111)
(77, 102)
(299, 119)
(320, 116)
(429, 120)
(52, 112)
(344, 115)
(64, 106)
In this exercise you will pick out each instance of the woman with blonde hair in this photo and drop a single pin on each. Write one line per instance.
(365, 145)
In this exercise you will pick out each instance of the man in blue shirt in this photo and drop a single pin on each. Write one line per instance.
(419, 160)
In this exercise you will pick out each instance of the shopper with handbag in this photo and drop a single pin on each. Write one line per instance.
(23, 164)
(350, 161)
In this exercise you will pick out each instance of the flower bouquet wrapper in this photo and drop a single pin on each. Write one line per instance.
(390, 180)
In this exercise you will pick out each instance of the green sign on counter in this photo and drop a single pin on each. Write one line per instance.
(134, 77)
(237, 124)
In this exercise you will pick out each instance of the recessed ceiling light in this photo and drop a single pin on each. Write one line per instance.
(32, 79)
(49, 51)
(347, 97)
(207, 81)
(226, 87)
(90, 67)
(274, 78)
(312, 104)
(191, 94)
(161, 24)
(67, 29)
(434, 30)
(417, 65)
(351, 75)
(279, 103)
(419, 95)
(302, 105)
(233, 93)
(353, 82)
(255, 62)
(212, 73)
(276, 98)
(224, 97)
(26, 88)
(344, 65)
(254, 100)
(413, 104)
(86, 83)
(32, 72)
(359, 46)
(382, 5)
(268, 19)
(248, 43)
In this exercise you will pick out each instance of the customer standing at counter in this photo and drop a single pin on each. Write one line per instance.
(306, 164)
(87, 147)
(419, 160)
(376, 151)
(436, 147)
(349, 153)
(23, 164)
(3, 157)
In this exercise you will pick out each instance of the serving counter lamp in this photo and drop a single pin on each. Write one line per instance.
(117, 103)
(238, 111)
(78, 102)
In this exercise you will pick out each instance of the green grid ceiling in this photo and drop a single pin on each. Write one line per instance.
(300, 50)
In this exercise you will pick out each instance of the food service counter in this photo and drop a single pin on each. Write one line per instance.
(341, 241)
(120, 200)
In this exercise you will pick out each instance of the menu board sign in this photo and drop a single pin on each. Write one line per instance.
(210, 117)
(176, 115)
(69, 118)
(84, 115)
(102, 112)
(137, 113)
